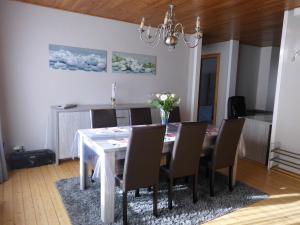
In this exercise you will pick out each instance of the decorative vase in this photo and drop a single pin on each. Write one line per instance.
(164, 115)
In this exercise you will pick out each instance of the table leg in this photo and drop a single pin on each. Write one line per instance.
(83, 164)
(235, 168)
(107, 187)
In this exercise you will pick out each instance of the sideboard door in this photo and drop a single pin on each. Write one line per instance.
(69, 123)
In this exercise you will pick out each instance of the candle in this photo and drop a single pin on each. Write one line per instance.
(166, 18)
(142, 23)
(198, 22)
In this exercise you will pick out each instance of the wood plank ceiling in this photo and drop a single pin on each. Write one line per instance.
(254, 22)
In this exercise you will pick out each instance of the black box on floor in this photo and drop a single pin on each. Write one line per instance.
(27, 159)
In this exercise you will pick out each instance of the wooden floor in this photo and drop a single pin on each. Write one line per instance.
(29, 197)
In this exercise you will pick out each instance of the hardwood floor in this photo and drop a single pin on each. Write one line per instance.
(30, 197)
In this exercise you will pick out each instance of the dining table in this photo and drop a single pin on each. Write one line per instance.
(106, 145)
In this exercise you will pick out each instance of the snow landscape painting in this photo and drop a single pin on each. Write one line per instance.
(133, 63)
(72, 58)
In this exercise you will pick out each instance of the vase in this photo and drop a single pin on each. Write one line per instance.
(164, 116)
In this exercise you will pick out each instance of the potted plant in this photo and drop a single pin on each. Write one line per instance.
(165, 102)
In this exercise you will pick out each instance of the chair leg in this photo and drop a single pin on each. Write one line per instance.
(92, 173)
(137, 193)
(207, 172)
(125, 207)
(195, 182)
(155, 201)
(170, 194)
(212, 182)
(230, 174)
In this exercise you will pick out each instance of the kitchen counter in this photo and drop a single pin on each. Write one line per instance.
(261, 117)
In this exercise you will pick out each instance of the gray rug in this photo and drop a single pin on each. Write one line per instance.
(83, 206)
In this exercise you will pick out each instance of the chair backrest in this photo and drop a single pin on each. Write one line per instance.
(142, 161)
(103, 118)
(187, 149)
(140, 116)
(227, 142)
(175, 115)
(236, 107)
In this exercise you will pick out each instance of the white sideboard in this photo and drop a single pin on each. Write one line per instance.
(66, 122)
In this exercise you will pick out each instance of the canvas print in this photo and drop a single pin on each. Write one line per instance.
(133, 63)
(72, 58)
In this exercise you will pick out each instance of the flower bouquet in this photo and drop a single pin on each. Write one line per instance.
(166, 103)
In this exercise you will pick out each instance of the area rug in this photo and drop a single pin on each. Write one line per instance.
(84, 206)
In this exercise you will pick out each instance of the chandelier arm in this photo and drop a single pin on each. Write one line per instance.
(191, 44)
(194, 38)
(154, 40)
(179, 29)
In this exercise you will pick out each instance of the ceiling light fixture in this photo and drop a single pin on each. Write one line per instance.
(170, 31)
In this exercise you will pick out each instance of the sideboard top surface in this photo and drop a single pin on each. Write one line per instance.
(91, 107)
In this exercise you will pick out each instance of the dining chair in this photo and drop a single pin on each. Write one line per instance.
(175, 115)
(103, 118)
(140, 116)
(185, 156)
(142, 162)
(223, 154)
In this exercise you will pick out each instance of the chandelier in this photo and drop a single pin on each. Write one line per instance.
(170, 31)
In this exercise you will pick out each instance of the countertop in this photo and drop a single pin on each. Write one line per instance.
(261, 117)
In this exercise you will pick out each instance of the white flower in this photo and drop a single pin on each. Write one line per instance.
(173, 95)
(158, 95)
(163, 97)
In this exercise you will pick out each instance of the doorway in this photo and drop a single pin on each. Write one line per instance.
(208, 88)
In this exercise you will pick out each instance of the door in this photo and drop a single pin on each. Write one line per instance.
(208, 90)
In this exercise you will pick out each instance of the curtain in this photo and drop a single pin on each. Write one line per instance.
(3, 168)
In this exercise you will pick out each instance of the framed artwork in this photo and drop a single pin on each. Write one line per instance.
(130, 63)
(72, 58)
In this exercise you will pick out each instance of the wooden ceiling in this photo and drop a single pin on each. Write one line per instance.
(254, 22)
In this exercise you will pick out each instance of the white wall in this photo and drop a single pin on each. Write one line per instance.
(228, 69)
(263, 78)
(29, 87)
(286, 119)
(272, 79)
(248, 68)
(257, 73)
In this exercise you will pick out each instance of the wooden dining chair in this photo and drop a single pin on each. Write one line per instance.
(223, 154)
(140, 116)
(142, 162)
(103, 118)
(185, 156)
(175, 115)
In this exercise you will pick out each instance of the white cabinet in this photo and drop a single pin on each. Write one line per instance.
(66, 122)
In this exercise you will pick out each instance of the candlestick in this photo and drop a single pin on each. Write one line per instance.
(113, 94)
(148, 31)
